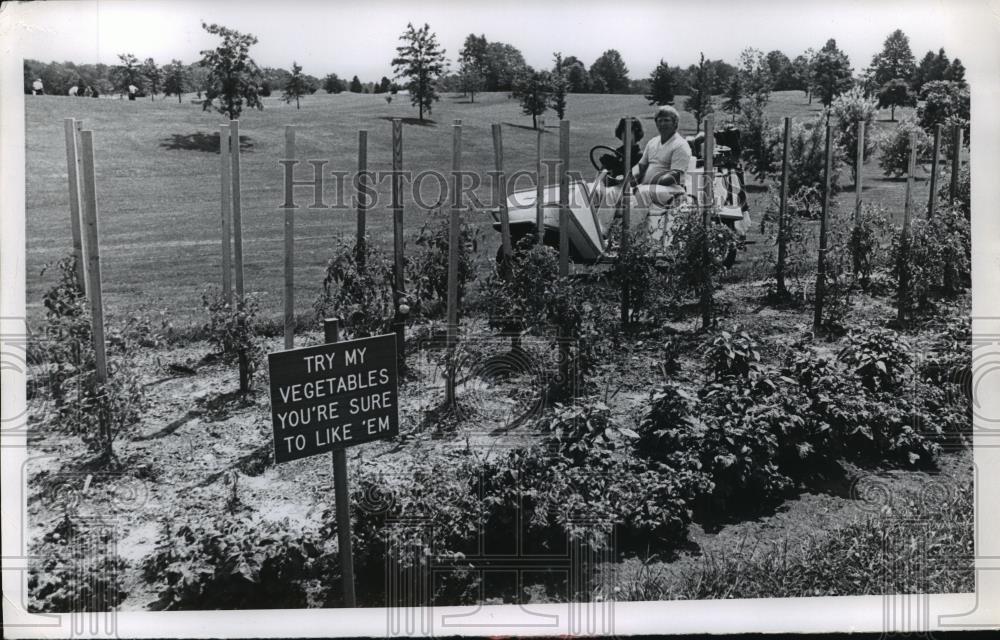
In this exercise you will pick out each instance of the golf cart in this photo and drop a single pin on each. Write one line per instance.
(594, 206)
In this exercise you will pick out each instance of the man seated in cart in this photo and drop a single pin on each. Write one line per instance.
(667, 156)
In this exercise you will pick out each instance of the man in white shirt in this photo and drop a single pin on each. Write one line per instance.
(666, 156)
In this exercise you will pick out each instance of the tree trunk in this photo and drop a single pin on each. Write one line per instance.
(178, 97)
(534, 122)
(297, 103)
(892, 113)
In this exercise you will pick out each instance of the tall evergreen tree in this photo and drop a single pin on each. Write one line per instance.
(559, 86)
(356, 85)
(421, 60)
(734, 97)
(700, 103)
(894, 61)
(661, 85)
(831, 72)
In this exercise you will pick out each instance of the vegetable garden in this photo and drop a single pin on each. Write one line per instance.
(542, 411)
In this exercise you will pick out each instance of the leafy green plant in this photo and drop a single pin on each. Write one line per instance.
(585, 428)
(241, 563)
(68, 345)
(759, 138)
(895, 147)
(429, 265)
(358, 287)
(881, 359)
(868, 241)
(75, 569)
(689, 268)
(807, 157)
(230, 329)
(847, 110)
(729, 355)
(517, 296)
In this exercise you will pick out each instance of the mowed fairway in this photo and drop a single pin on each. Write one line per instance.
(158, 185)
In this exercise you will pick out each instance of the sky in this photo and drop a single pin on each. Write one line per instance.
(359, 38)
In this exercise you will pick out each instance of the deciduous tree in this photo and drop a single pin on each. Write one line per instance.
(421, 60)
(611, 72)
(700, 103)
(533, 88)
(233, 79)
(831, 72)
(295, 87)
(175, 79)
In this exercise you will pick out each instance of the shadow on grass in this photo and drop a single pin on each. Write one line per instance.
(413, 121)
(524, 126)
(200, 141)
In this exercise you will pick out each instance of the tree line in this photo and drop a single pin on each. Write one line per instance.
(229, 78)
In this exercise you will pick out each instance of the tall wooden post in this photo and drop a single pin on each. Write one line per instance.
(91, 228)
(564, 197)
(72, 155)
(399, 279)
(626, 221)
(289, 251)
(708, 175)
(234, 145)
(342, 499)
(501, 191)
(539, 185)
(858, 166)
(935, 158)
(821, 259)
(225, 161)
(782, 212)
(903, 294)
(454, 237)
(362, 204)
(956, 161)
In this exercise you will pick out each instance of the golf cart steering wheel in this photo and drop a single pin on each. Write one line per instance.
(595, 157)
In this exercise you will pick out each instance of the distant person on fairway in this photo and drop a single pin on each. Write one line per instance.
(667, 155)
(614, 163)
(132, 90)
(37, 89)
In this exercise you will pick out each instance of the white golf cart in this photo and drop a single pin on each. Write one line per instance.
(593, 206)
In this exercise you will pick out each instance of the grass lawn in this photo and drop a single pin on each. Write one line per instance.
(159, 194)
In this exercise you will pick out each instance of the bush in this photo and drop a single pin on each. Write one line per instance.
(880, 360)
(516, 301)
(68, 347)
(895, 147)
(429, 267)
(935, 256)
(963, 194)
(231, 330)
(731, 356)
(635, 267)
(74, 571)
(807, 157)
(867, 242)
(241, 563)
(944, 102)
(358, 287)
(760, 140)
(688, 267)
(848, 109)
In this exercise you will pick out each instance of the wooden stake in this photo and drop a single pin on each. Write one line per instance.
(227, 212)
(708, 175)
(626, 220)
(821, 259)
(92, 243)
(903, 294)
(956, 161)
(502, 191)
(342, 499)
(362, 172)
(564, 198)
(859, 165)
(539, 185)
(289, 251)
(74, 203)
(399, 278)
(782, 210)
(234, 145)
(454, 237)
(935, 158)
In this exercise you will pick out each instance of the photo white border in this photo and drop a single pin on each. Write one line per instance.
(981, 23)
